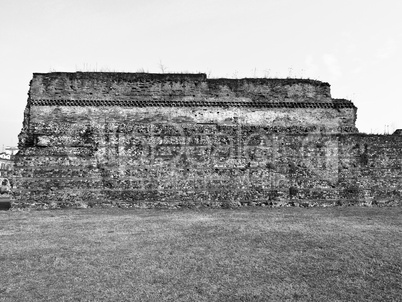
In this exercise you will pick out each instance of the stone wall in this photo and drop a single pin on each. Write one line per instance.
(185, 140)
(183, 87)
(370, 167)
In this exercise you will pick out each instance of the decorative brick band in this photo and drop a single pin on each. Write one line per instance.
(196, 103)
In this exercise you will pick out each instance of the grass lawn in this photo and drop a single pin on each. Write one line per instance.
(247, 254)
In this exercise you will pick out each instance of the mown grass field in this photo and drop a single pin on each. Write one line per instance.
(248, 254)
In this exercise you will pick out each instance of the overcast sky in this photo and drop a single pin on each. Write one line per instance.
(355, 45)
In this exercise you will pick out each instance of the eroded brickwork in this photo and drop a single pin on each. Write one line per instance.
(137, 139)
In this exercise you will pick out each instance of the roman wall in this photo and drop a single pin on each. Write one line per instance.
(138, 139)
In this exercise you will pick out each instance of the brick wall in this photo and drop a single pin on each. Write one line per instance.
(177, 139)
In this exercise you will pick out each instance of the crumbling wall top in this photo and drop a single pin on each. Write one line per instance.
(122, 76)
(173, 86)
(138, 76)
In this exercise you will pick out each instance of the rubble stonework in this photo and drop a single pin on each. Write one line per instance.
(140, 139)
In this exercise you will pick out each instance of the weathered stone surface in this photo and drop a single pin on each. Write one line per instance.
(157, 140)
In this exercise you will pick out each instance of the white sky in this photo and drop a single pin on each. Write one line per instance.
(355, 45)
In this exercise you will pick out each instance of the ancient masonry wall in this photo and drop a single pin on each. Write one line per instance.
(138, 139)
